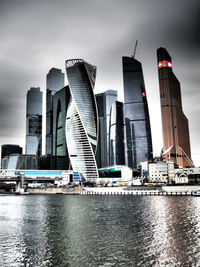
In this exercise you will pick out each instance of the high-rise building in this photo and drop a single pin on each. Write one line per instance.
(7, 150)
(116, 135)
(104, 102)
(81, 121)
(174, 122)
(34, 122)
(60, 159)
(54, 82)
(138, 143)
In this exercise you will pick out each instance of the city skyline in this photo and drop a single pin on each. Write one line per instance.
(30, 48)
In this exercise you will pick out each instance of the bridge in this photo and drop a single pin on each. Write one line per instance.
(22, 177)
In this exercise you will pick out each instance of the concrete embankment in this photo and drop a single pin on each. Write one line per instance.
(65, 191)
(180, 188)
(166, 190)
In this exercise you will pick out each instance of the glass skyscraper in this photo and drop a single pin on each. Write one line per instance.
(54, 82)
(60, 159)
(104, 103)
(116, 135)
(138, 143)
(175, 124)
(81, 121)
(34, 122)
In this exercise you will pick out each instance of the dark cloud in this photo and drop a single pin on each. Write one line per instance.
(41, 34)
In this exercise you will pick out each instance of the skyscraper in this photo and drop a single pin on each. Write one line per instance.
(174, 122)
(104, 103)
(34, 122)
(116, 135)
(81, 121)
(138, 143)
(60, 159)
(54, 82)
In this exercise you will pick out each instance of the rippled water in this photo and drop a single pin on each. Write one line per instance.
(61, 230)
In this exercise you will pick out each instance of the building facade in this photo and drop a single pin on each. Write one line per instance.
(7, 150)
(25, 162)
(54, 82)
(116, 135)
(34, 122)
(162, 171)
(60, 159)
(104, 102)
(81, 121)
(174, 123)
(138, 142)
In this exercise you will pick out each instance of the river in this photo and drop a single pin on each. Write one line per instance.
(70, 230)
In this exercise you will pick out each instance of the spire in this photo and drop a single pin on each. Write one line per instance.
(133, 56)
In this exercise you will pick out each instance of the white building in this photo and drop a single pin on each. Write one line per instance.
(162, 171)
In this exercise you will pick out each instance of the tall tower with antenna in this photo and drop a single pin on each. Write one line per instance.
(138, 142)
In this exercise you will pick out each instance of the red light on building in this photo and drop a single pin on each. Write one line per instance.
(169, 64)
(143, 94)
(164, 64)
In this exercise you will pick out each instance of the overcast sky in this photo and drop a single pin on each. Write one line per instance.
(40, 34)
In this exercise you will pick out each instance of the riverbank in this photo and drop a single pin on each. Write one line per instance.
(164, 190)
(59, 190)
(142, 190)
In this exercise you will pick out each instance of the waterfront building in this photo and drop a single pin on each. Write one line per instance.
(174, 123)
(116, 135)
(54, 82)
(81, 121)
(7, 150)
(17, 161)
(144, 169)
(104, 102)
(188, 175)
(138, 143)
(34, 121)
(162, 171)
(60, 158)
(115, 173)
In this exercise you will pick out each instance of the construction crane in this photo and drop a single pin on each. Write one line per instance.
(135, 49)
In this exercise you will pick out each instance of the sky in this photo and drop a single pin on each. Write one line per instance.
(38, 35)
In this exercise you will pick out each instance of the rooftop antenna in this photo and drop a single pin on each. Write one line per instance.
(135, 49)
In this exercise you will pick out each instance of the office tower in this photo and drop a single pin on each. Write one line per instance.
(60, 159)
(174, 122)
(138, 143)
(81, 121)
(104, 102)
(34, 122)
(7, 150)
(54, 82)
(116, 135)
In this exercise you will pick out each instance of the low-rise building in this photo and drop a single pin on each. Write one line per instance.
(187, 175)
(162, 171)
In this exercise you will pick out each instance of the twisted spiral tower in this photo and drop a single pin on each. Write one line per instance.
(81, 119)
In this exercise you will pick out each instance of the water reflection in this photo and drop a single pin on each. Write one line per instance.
(175, 226)
(99, 231)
